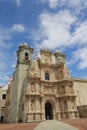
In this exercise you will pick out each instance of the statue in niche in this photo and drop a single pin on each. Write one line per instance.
(73, 105)
(60, 59)
(32, 87)
(32, 104)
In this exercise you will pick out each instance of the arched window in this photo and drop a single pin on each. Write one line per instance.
(4, 96)
(47, 76)
(26, 56)
(2, 118)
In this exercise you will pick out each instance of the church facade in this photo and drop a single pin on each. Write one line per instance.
(43, 89)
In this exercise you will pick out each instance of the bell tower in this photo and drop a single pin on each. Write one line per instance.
(24, 54)
(24, 60)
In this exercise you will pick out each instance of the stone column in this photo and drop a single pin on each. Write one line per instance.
(58, 110)
(64, 71)
(43, 109)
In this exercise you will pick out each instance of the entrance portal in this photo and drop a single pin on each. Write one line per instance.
(2, 118)
(48, 111)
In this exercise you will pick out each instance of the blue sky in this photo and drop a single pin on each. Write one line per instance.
(52, 24)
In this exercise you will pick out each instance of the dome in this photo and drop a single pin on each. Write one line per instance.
(25, 44)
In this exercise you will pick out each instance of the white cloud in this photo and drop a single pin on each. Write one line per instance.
(75, 5)
(18, 28)
(80, 34)
(81, 56)
(3, 78)
(52, 3)
(4, 38)
(7, 59)
(18, 2)
(54, 29)
(5, 56)
(4, 34)
(4, 67)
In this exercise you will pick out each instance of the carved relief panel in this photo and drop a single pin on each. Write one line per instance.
(49, 90)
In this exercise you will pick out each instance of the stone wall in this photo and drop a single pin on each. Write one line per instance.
(80, 88)
(82, 111)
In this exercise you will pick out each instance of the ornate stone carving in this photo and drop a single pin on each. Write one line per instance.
(32, 104)
(32, 87)
(60, 59)
(49, 90)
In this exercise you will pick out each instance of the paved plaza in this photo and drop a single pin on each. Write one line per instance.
(80, 124)
(54, 125)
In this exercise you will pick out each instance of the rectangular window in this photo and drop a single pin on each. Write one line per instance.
(47, 76)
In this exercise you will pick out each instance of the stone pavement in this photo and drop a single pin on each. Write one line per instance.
(18, 126)
(54, 125)
(81, 124)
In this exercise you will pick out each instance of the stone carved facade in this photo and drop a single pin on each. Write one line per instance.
(2, 102)
(43, 89)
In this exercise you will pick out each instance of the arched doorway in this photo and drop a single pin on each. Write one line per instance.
(2, 118)
(48, 111)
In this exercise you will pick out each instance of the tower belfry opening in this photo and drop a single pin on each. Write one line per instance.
(26, 56)
(48, 111)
